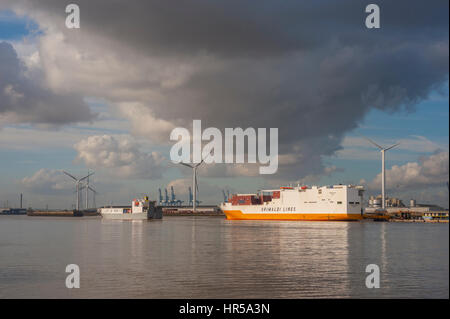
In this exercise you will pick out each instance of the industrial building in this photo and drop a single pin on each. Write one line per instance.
(13, 211)
(396, 208)
(393, 204)
(6, 210)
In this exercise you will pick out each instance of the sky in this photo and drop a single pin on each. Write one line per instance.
(106, 96)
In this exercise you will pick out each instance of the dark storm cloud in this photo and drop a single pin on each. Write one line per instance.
(294, 60)
(24, 100)
(312, 69)
(245, 27)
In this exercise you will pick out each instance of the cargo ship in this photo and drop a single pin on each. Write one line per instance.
(337, 202)
(140, 209)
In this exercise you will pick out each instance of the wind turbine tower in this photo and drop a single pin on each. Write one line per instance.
(93, 196)
(87, 191)
(94, 192)
(190, 196)
(194, 183)
(383, 171)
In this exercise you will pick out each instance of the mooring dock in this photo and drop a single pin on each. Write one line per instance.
(188, 211)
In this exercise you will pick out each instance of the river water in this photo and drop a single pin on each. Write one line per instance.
(210, 257)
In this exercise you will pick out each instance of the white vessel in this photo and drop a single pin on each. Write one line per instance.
(338, 202)
(140, 209)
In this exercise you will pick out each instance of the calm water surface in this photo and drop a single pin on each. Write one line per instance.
(210, 257)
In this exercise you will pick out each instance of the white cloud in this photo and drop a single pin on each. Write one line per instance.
(143, 122)
(120, 155)
(429, 171)
(48, 181)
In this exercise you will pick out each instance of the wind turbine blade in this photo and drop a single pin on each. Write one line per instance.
(373, 142)
(69, 175)
(86, 176)
(392, 146)
(93, 190)
(199, 164)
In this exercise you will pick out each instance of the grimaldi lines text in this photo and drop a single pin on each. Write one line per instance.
(338, 202)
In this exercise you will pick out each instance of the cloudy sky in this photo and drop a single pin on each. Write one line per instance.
(106, 96)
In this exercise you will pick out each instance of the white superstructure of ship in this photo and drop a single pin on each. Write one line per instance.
(337, 202)
(139, 209)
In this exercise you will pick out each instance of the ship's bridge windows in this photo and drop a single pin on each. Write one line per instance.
(339, 202)
(351, 203)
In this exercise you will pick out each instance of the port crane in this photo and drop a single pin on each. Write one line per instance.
(225, 196)
(173, 200)
(166, 197)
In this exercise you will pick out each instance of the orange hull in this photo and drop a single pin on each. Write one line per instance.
(238, 215)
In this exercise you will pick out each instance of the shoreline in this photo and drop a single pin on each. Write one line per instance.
(208, 214)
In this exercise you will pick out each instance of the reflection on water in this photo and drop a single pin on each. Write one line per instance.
(209, 257)
(300, 257)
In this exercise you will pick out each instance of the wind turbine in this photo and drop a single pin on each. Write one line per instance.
(77, 185)
(87, 192)
(194, 183)
(89, 188)
(383, 172)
